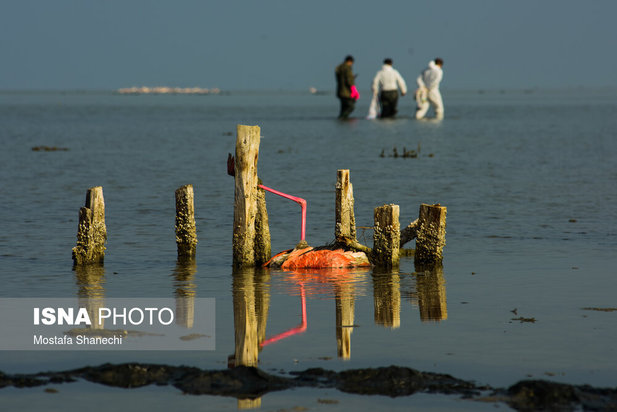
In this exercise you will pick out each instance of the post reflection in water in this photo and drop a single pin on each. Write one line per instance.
(387, 299)
(185, 290)
(251, 299)
(345, 305)
(337, 282)
(90, 281)
(431, 289)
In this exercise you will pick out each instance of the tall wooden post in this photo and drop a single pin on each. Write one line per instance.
(386, 236)
(345, 221)
(186, 236)
(431, 235)
(245, 204)
(91, 232)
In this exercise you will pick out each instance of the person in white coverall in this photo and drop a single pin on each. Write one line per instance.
(387, 81)
(428, 93)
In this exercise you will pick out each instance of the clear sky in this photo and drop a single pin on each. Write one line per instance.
(288, 44)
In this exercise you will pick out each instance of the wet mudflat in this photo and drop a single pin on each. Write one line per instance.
(252, 383)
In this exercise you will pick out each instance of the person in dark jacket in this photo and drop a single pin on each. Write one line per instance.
(345, 87)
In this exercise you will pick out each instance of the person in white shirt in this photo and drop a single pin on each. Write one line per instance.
(428, 93)
(387, 82)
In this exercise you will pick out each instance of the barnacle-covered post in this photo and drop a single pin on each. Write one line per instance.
(251, 235)
(345, 221)
(186, 232)
(431, 234)
(386, 237)
(91, 231)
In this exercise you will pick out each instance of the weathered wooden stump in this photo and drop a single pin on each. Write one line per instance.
(186, 233)
(91, 231)
(345, 221)
(386, 236)
(250, 232)
(431, 233)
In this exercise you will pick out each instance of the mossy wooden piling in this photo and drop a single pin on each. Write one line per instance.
(91, 231)
(186, 231)
(431, 233)
(386, 236)
(251, 235)
(345, 221)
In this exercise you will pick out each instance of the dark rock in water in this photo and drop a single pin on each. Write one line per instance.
(540, 395)
(397, 381)
(239, 382)
(128, 375)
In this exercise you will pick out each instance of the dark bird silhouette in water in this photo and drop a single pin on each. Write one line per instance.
(231, 165)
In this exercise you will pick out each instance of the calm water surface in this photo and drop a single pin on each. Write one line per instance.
(528, 180)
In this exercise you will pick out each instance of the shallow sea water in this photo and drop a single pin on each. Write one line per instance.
(528, 179)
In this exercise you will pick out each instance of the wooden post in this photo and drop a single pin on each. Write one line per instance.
(186, 236)
(345, 221)
(245, 203)
(91, 232)
(386, 236)
(431, 235)
(263, 248)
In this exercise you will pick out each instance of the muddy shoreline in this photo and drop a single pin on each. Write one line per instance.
(249, 383)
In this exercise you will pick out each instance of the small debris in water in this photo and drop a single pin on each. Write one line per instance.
(408, 154)
(51, 390)
(601, 309)
(49, 149)
(193, 336)
(328, 401)
(525, 320)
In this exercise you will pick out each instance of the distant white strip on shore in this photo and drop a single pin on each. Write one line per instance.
(167, 90)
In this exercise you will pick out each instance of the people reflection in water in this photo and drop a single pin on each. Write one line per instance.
(90, 281)
(431, 289)
(184, 290)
